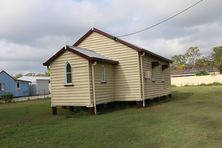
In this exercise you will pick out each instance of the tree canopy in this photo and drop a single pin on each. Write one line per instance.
(192, 58)
(217, 57)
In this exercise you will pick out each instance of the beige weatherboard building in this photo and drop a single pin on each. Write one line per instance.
(100, 68)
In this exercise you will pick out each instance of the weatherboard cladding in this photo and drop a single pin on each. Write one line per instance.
(126, 73)
(130, 45)
(104, 91)
(161, 85)
(79, 93)
(123, 80)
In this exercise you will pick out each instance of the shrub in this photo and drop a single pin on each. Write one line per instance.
(202, 73)
(7, 97)
(215, 84)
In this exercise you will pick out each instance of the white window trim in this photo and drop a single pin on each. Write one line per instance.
(17, 85)
(2, 87)
(102, 74)
(66, 75)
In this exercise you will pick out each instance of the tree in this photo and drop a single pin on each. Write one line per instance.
(192, 54)
(18, 75)
(203, 62)
(217, 57)
(178, 60)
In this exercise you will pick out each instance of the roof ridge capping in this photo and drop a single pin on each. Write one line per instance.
(137, 48)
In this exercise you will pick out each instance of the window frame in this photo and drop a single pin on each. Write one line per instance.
(163, 75)
(68, 73)
(154, 66)
(2, 88)
(102, 74)
(164, 68)
(18, 85)
(153, 77)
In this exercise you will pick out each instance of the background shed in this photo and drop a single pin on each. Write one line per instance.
(38, 85)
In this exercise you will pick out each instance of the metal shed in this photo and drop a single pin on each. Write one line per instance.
(38, 85)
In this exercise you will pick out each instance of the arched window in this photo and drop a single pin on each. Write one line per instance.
(68, 73)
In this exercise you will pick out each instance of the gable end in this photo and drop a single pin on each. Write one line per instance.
(138, 49)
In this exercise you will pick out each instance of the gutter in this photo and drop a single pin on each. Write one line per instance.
(142, 78)
(93, 85)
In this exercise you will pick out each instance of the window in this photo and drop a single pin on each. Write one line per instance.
(163, 76)
(153, 73)
(102, 74)
(153, 78)
(164, 67)
(68, 73)
(148, 74)
(17, 85)
(2, 86)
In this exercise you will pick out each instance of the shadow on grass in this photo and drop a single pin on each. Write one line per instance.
(110, 107)
(117, 106)
(114, 106)
(74, 112)
(178, 95)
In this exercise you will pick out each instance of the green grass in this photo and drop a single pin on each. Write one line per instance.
(192, 118)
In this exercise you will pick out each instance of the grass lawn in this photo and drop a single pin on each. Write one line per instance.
(192, 118)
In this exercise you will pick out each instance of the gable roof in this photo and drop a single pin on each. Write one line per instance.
(122, 42)
(85, 53)
(2, 71)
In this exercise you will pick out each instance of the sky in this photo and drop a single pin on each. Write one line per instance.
(32, 31)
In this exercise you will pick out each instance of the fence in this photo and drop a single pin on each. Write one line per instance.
(196, 80)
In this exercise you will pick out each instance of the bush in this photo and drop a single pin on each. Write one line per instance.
(7, 97)
(203, 84)
(202, 73)
(215, 84)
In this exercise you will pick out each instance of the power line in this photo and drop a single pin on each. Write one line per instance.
(163, 21)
